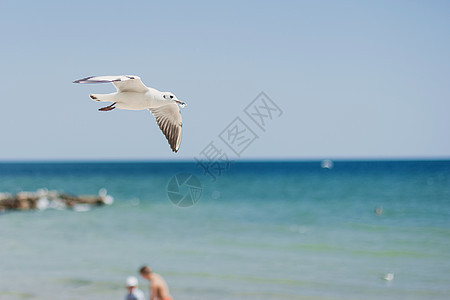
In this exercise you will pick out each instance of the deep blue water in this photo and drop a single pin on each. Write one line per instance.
(126, 168)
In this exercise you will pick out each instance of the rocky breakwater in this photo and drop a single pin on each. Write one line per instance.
(43, 199)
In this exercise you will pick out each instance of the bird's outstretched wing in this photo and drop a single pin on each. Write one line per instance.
(168, 118)
(123, 83)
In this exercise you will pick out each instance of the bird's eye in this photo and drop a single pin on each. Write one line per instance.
(171, 97)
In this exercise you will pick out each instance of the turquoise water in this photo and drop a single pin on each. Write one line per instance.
(262, 230)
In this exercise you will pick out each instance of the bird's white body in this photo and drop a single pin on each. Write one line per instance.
(132, 94)
(133, 100)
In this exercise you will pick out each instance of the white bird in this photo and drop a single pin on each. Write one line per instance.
(132, 94)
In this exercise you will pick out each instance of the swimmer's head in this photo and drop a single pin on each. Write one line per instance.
(145, 272)
(131, 283)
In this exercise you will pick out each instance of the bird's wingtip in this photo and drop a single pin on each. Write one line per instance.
(174, 148)
(83, 80)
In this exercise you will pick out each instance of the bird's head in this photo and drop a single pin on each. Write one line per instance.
(172, 98)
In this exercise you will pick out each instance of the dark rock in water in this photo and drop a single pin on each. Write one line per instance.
(43, 199)
(73, 200)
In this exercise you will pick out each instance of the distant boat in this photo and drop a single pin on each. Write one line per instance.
(327, 164)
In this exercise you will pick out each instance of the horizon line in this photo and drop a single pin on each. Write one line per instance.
(339, 159)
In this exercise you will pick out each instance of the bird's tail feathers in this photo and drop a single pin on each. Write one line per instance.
(103, 97)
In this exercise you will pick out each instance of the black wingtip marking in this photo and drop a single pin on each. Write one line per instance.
(83, 79)
(86, 80)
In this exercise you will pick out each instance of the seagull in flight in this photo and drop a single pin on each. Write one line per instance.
(132, 94)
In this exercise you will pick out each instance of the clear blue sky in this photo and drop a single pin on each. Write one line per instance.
(355, 79)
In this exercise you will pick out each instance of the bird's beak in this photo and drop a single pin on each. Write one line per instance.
(182, 104)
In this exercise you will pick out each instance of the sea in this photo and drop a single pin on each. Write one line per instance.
(249, 230)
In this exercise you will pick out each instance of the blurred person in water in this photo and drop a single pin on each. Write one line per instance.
(158, 286)
(134, 293)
